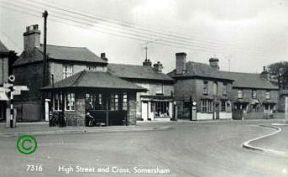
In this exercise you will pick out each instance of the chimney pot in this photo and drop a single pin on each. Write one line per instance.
(214, 63)
(147, 62)
(31, 38)
(158, 67)
(103, 56)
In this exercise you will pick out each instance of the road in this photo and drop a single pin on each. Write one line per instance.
(207, 149)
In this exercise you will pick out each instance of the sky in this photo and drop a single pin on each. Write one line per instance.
(245, 35)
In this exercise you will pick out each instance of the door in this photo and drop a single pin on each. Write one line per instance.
(144, 110)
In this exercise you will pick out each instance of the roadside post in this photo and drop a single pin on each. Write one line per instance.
(10, 117)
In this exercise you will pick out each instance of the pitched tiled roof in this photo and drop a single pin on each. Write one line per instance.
(194, 69)
(3, 48)
(137, 72)
(248, 80)
(79, 54)
(90, 79)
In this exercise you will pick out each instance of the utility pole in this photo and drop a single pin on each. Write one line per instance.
(45, 79)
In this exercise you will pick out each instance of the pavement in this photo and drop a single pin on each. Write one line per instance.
(42, 128)
(196, 149)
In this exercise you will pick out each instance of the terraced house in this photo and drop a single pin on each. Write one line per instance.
(220, 94)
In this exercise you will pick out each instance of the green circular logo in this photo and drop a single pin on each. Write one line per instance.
(26, 144)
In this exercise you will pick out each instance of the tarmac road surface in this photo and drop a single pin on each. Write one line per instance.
(211, 149)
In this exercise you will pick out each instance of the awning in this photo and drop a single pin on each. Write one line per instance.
(3, 96)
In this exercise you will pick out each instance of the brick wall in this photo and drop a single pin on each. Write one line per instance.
(132, 108)
(30, 75)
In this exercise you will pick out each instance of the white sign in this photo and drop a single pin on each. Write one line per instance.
(16, 92)
(6, 85)
(21, 87)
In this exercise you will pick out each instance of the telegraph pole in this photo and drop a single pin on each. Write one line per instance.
(44, 82)
(45, 79)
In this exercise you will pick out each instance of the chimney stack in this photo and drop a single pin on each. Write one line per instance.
(264, 74)
(147, 62)
(31, 38)
(181, 63)
(214, 63)
(103, 56)
(158, 67)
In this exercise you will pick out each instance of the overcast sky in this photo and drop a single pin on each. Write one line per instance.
(248, 33)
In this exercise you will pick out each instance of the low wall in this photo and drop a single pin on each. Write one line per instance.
(204, 116)
(225, 115)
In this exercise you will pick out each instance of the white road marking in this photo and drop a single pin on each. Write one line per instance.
(247, 145)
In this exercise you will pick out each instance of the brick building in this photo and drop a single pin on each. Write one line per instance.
(202, 84)
(7, 57)
(78, 81)
(222, 94)
(157, 102)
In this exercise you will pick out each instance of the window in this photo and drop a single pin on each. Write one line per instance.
(206, 106)
(94, 101)
(267, 94)
(67, 71)
(215, 88)
(225, 89)
(124, 101)
(91, 68)
(57, 102)
(254, 94)
(240, 93)
(114, 102)
(70, 102)
(205, 87)
(223, 106)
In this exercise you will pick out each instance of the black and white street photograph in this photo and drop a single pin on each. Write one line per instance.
(143, 88)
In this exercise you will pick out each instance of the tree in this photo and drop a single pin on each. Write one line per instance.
(278, 74)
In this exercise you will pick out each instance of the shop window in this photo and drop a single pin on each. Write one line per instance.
(70, 102)
(160, 108)
(67, 71)
(205, 87)
(206, 106)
